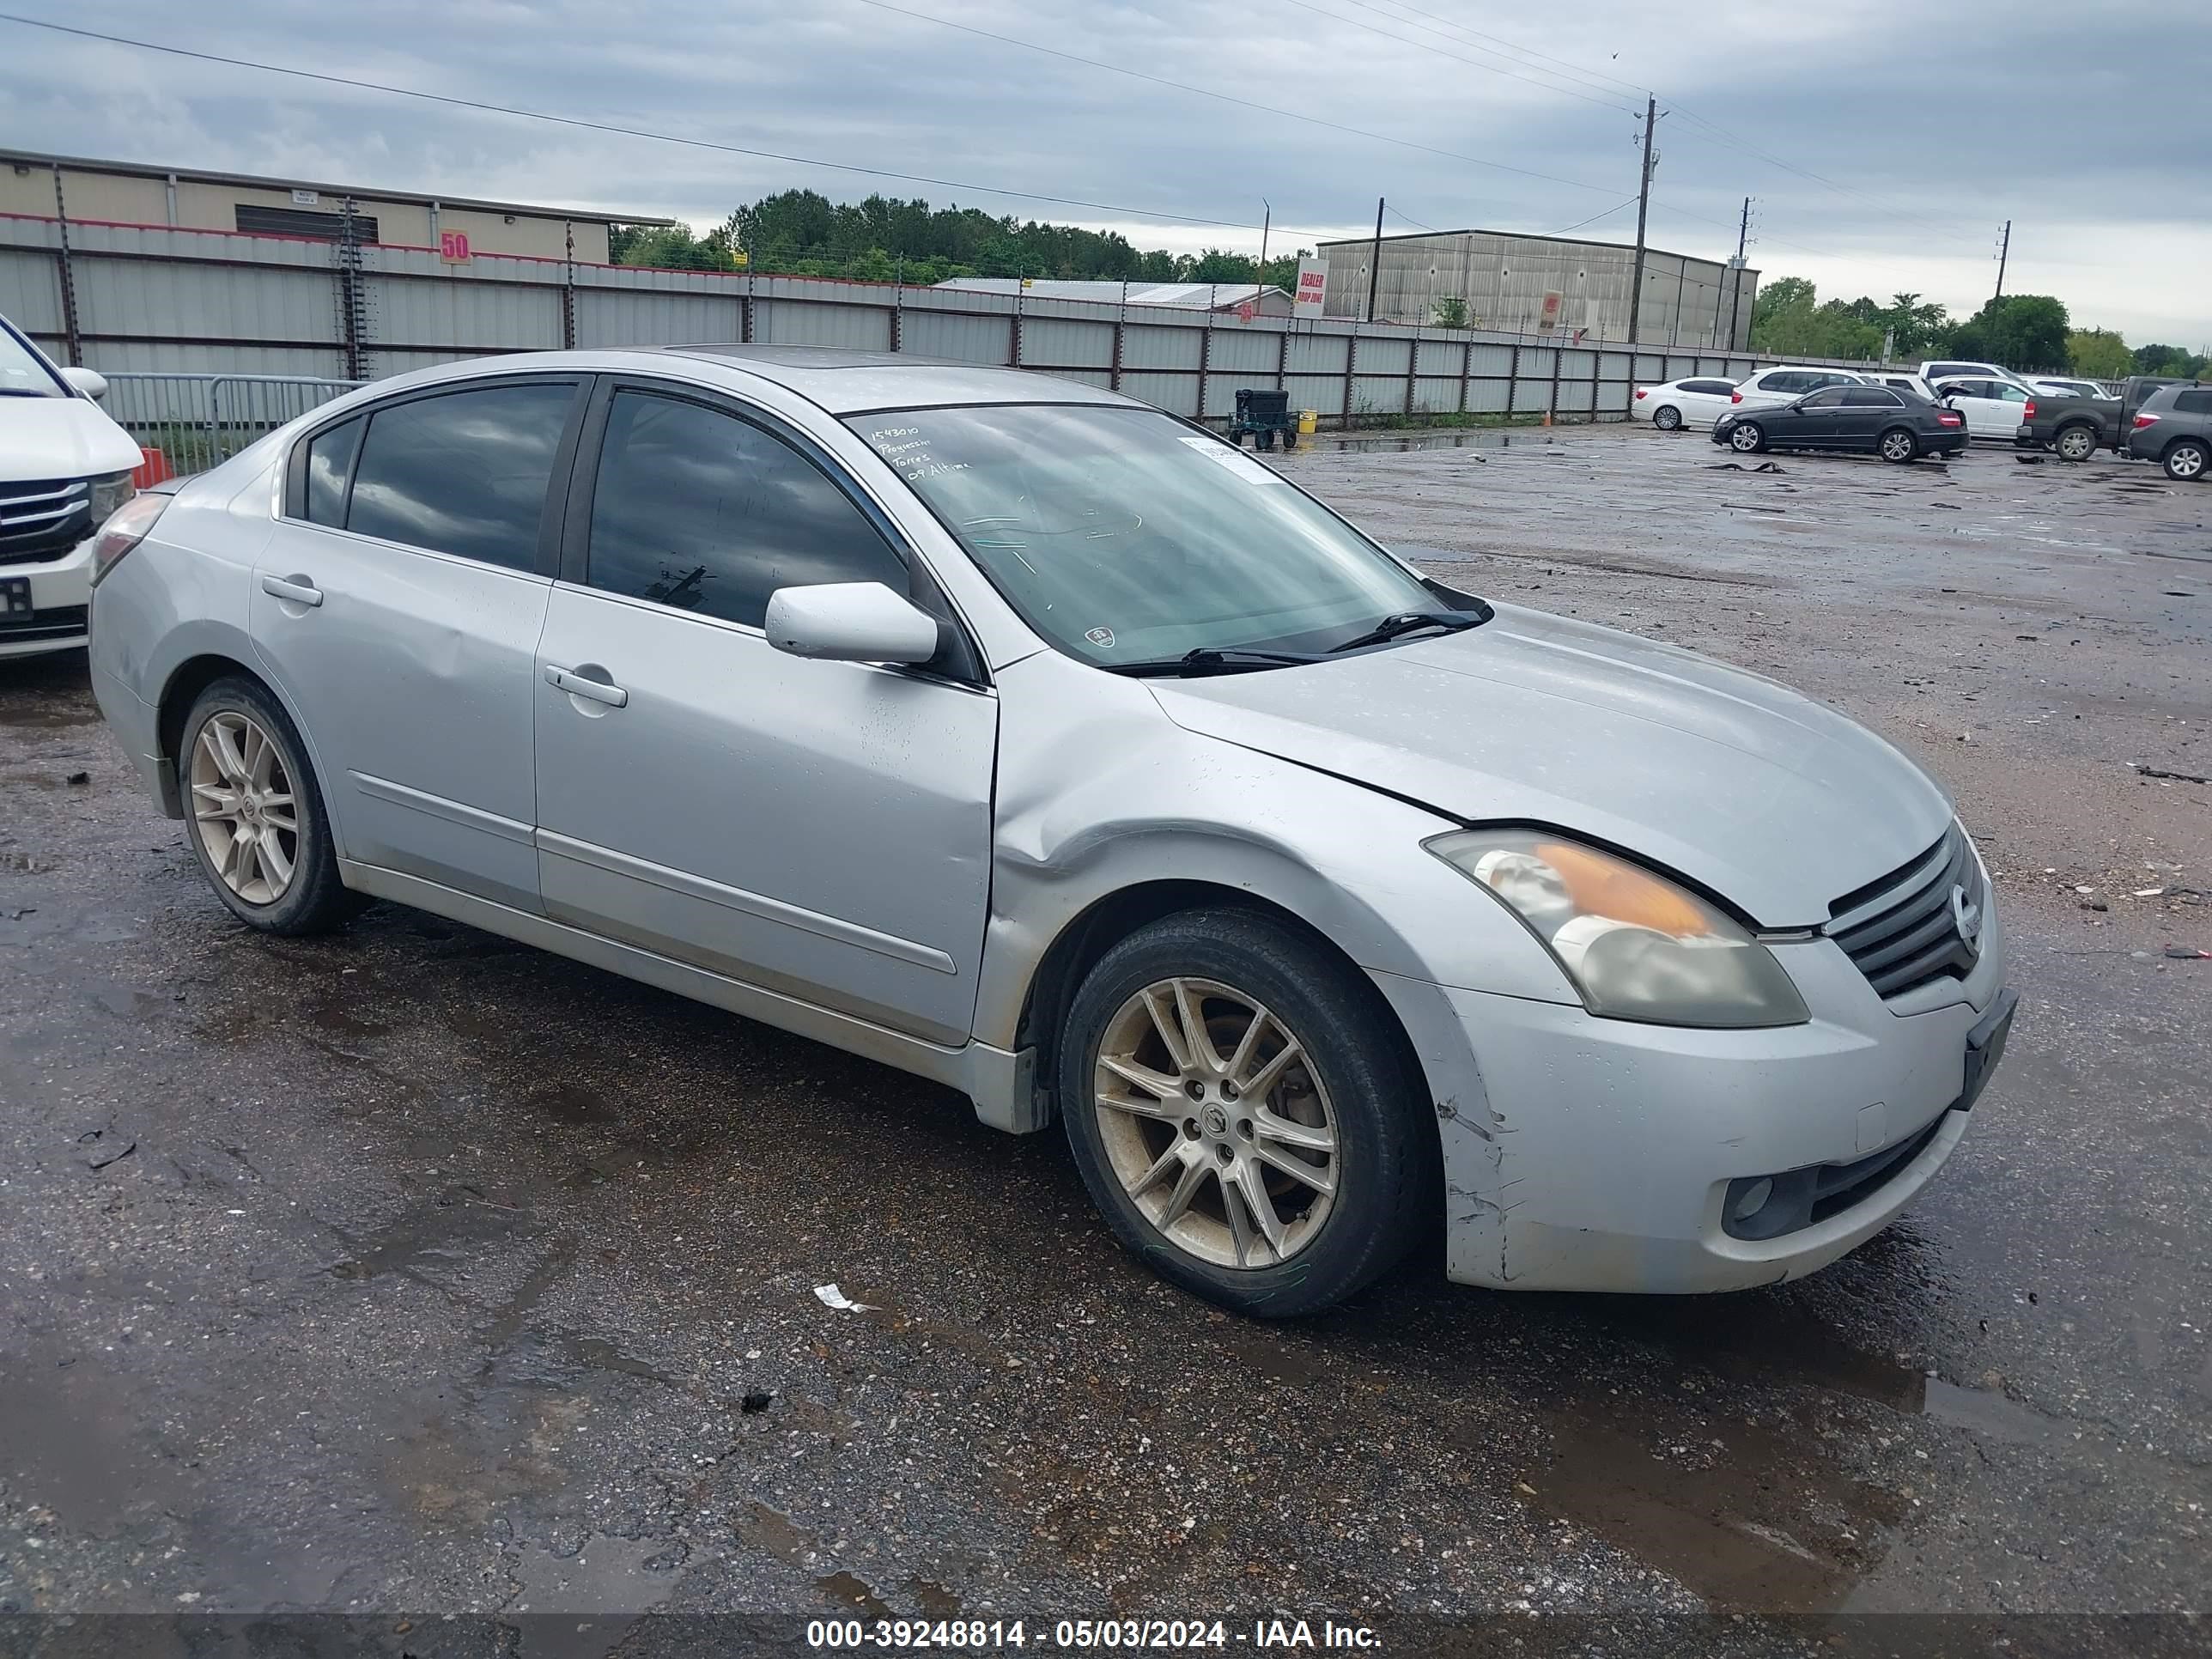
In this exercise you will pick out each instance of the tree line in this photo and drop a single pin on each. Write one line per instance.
(2030, 332)
(801, 233)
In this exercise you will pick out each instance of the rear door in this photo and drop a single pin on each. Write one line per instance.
(1866, 412)
(818, 829)
(397, 606)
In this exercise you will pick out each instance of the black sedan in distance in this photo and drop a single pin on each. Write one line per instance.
(1872, 420)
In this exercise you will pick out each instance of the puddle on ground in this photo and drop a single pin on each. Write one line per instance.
(1743, 1514)
(1398, 442)
(935, 1601)
(772, 1530)
(848, 1590)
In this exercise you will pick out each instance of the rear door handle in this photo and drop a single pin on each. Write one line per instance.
(576, 685)
(298, 589)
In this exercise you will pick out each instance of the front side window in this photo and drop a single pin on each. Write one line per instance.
(1828, 399)
(698, 509)
(22, 374)
(1125, 535)
(463, 472)
(2005, 391)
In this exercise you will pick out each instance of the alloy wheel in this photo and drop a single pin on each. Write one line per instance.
(2077, 443)
(243, 808)
(1897, 446)
(1667, 418)
(1215, 1123)
(1746, 438)
(2187, 461)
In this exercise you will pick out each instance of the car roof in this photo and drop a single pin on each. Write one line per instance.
(846, 381)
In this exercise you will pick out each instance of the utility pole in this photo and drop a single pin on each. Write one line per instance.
(2004, 251)
(1642, 212)
(1374, 261)
(1736, 284)
(1267, 218)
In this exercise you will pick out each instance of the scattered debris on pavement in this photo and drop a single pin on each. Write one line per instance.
(831, 1297)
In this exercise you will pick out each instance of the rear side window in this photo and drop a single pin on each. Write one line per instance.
(2193, 403)
(1715, 388)
(1783, 383)
(1871, 397)
(465, 472)
(700, 510)
(329, 468)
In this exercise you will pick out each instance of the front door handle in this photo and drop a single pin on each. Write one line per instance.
(297, 589)
(578, 686)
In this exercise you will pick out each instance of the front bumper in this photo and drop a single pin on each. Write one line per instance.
(1590, 1154)
(61, 597)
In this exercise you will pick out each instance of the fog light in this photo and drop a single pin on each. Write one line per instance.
(1751, 1200)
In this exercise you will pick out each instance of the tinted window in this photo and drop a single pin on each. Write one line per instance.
(1827, 399)
(329, 463)
(1784, 383)
(698, 509)
(465, 472)
(2193, 403)
(1717, 388)
(1871, 397)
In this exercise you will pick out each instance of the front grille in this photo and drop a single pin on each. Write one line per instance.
(60, 622)
(43, 520)
(1902, 931)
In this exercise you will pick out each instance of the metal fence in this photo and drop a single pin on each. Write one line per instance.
(266, 321)
(197, 420)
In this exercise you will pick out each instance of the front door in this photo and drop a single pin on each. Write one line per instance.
(1815, 419)
(820, 828)
(398, 607)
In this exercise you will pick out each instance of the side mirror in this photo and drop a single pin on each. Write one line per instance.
(93, 385)
(849, 621)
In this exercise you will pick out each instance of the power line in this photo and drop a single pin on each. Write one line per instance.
(1416, 223)
(1628, 200)
(631, 132)
(1231, 98)
(1567, 70)
(1491, 69)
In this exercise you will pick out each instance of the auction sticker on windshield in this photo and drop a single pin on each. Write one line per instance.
(1235, 459)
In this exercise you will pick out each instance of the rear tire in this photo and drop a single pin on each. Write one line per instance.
(1748, 439)
(1667, 418)
(2184, 460)
(254, 815)
(1898, 443)
(1179, 1166)
(2077, 443)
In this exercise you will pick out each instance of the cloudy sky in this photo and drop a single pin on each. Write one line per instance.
(1885, 143)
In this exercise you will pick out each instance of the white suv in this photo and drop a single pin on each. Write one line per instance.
(64, 466)
(1770, 388)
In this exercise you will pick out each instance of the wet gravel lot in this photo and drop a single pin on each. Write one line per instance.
(410, 1270)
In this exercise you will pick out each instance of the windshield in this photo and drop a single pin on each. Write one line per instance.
(21, 373)
(1123, 535)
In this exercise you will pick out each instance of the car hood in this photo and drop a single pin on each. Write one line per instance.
(43, 438)
(1751, 791)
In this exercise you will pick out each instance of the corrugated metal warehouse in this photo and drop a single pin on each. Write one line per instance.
(1543, 285)
(37, 185)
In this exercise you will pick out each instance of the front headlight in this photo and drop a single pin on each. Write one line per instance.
(1636, 945)
(108, 494)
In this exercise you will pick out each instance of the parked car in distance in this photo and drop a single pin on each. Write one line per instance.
(1935, 373)
(1011, 732)
(1695, 402)
(1897, 380)
(2174, 428)
(2076, 428)
(64, 466)
(1992, 408)
(1770, 388)
(1867, 419)
(2043, 384)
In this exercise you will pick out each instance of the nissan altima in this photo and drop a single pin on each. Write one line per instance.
(1038, 741)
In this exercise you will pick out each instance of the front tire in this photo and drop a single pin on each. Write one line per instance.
(2077, 443)
(254, 814)
(2185, 461)
(1898, 445)
(1748, 439)
(1667, 418)
(1244, 1111)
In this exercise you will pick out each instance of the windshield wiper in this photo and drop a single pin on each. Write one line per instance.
(1409, 622)
(1206, 660)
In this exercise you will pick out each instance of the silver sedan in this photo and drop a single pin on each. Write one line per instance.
(1031, 739)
